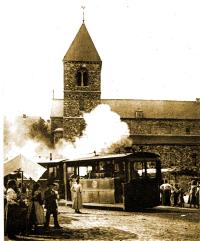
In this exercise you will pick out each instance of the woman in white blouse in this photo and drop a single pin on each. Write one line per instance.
(11, 209)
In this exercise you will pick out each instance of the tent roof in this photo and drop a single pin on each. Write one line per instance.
(30, 169)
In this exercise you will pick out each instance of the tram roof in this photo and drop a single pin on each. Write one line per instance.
(101, 157)
(50, 161)
(114, 156)
(98, 157)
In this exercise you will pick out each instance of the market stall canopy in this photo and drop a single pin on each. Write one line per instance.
(30, 169)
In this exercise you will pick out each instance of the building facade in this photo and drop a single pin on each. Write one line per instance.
(169, 128)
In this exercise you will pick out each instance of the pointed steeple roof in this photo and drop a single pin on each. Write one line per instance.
(82, 48)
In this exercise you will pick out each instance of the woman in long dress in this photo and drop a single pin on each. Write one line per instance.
(192, 194)
(36, 211)
(76, 190)
(12, 210)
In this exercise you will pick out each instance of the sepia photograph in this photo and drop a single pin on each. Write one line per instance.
(100, 120)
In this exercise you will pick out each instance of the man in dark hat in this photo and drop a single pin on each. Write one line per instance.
(50, 197)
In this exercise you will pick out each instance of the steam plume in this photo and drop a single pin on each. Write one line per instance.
(17, 140)
(104, 132)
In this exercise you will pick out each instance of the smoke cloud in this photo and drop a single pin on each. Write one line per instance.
(104, 133)
(17, 140)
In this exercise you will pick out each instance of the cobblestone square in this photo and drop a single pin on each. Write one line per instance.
(161, 223)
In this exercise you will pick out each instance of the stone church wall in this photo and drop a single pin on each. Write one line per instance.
(76, 103)
(70, 70)
(174, 155)
(73, 128)
(163, 127)
(56, 122)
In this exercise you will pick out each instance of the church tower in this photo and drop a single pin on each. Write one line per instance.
(82, 83)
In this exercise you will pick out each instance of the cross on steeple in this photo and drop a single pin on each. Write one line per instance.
(83, 7)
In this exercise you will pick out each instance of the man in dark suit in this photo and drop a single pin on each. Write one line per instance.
(50, 197)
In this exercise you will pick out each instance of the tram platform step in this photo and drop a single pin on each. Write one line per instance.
(103, 206)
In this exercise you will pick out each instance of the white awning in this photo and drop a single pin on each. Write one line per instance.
(30, 169)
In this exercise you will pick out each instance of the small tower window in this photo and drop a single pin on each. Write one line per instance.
(82, 77)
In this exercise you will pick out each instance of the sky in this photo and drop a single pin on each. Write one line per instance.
(149, 49)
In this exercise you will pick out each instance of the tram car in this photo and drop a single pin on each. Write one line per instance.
(53, 174)
(130, 180)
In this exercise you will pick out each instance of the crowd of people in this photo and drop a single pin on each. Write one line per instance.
(28, 208)
(25, 207)
(174, 195)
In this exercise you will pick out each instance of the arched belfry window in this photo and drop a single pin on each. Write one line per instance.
(82, 77)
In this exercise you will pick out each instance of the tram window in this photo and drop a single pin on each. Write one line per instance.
(86, 171)
(52, 172)
(119, 167)
(101, 166)
(138, 169)
(151, 169)
(72, 172)
(119, 170)
(83, 171)
(90, 172)
(108, 169)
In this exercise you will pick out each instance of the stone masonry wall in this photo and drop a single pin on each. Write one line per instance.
(56, 122)
(75, 102)
(174, 155)
(73, 127)
(171, 154)
(79, 99)
(94, 76)
(162, 127)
